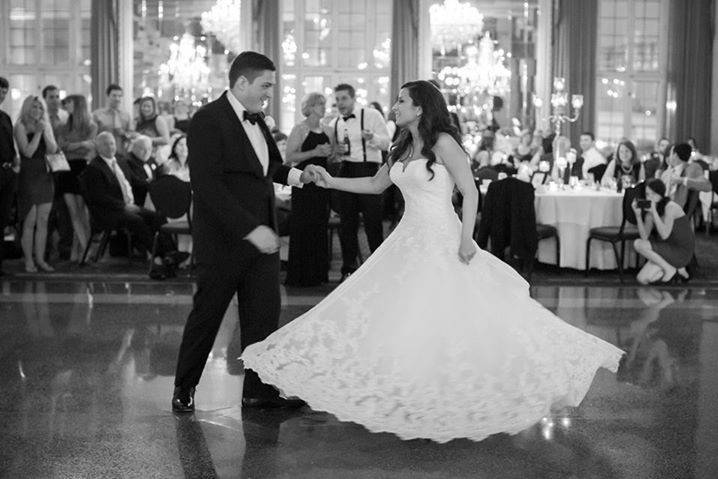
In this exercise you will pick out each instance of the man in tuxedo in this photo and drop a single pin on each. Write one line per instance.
(112, 205)
(233, 161)
(681, 176)
(9, 167)
(140, 167)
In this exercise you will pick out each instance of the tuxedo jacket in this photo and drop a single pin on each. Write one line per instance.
(103, 193)
(231, 194)
(7, 145)
(134, 170)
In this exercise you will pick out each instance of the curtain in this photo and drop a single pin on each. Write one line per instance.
(574, 57)
(690, 63)
(265, 18)
(404, 44)
(103, 51)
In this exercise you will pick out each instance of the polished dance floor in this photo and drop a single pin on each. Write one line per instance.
(86, 376)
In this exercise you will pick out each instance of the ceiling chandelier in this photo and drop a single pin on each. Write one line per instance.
(186, 69)
(223, 20)
(454, 24)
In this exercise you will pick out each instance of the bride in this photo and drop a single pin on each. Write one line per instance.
(432, 337)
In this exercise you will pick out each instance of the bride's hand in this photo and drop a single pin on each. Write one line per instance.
(467, 250)
(322, 177)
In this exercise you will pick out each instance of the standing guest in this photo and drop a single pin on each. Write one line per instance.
(590, 154)
(113, 119)
(60, 219)
(76, 139)
(150, 124)
(683, 176)
(33, 134)
(8, 169)
(625, 166)
(359, 135)
(176, 164)
(669, 253)
(308, 144)
(139, 167)
(182, 116)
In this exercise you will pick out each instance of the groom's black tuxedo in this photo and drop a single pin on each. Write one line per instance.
(232, 196)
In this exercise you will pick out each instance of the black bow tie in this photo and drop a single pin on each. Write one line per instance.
(253, 117)
(346, 118)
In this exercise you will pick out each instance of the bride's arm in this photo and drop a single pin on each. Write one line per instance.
(372, 185)
(456, 161)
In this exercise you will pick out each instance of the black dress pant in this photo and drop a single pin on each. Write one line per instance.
(350, 205)
(8, 192)
(255, 278)
(143, 224)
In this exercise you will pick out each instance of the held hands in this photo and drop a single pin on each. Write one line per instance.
(322, 177)
(467, 251)
(264, 239)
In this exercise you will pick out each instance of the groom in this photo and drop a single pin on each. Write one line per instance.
(233, 161)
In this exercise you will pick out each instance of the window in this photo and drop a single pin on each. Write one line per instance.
(631, 71)
(44, 42)
(325, 43)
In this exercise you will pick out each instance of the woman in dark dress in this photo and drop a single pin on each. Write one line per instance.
(671, 249)
(625, 166)
(36, 189)
(309, 144)
(76, 138)
(149, 123)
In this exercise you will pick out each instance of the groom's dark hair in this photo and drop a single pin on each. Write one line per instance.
(250, 65)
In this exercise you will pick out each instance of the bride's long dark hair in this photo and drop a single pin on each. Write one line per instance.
(435, 119)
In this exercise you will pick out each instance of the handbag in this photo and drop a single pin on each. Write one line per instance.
(57, 162)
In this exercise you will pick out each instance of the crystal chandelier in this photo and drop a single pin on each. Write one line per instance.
(454, 24)
(223, 20)
(485, 71)
(186, 69)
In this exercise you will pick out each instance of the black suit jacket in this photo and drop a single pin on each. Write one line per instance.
(103, 193)
(231, 194)
(7, 145)
(134, 170)
(508, 217)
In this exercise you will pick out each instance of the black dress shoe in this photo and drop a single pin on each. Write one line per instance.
(183, 400)
(174, 258)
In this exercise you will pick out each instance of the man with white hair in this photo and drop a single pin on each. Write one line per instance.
(140, 167)
(112, 205)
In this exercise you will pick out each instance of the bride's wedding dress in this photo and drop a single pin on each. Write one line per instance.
(421, 345)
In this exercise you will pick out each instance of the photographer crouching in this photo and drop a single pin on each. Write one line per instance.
(671, 249)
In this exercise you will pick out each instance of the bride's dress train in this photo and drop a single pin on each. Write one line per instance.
(418, 344)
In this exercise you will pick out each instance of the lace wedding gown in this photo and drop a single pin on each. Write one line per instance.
(421, 345)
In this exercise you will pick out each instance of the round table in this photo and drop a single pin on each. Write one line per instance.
(574, 213)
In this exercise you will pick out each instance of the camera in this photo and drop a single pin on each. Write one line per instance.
(644, 204)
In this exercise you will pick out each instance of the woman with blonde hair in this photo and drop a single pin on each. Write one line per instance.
(308, 144)
(34, 137)
(76, 138)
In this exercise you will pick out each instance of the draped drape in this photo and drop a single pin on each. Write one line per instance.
(404, 44)
(574, 57)
(265, 18)
(690, 63)
(103, 51)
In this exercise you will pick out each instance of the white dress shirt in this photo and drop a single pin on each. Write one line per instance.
(374, 122)
(670, 173)
(591, 158)
(259, 142)
(127, 195)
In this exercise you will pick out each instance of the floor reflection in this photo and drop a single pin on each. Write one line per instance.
(87, 370)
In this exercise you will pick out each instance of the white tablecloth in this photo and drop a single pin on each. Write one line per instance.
(574, 213)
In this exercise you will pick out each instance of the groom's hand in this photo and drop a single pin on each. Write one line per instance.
(308, 175)
(264, 239)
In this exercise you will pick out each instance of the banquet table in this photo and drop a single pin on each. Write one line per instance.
(574, 213)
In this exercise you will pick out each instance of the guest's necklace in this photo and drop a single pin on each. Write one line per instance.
(627, 170)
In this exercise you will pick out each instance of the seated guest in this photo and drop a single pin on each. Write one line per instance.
(525, 149)
(151, 124)
(669, 253)
(112, 205)
(309, 144)
(682, 176)
(139, 167)
(176, 164)
(589, 153)
(545, 153)
(656, 164)
(625, 165)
